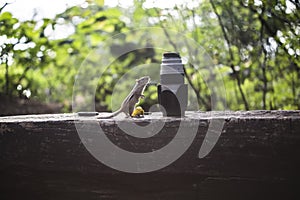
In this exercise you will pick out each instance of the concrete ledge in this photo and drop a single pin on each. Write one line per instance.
(256, 157)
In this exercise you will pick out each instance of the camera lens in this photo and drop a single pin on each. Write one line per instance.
(172, 92)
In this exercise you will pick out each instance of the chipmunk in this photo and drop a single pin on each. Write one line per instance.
(128, 105)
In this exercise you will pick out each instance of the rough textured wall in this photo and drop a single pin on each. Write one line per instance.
(255, 157)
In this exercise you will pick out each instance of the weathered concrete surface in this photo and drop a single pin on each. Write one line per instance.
(256, 157)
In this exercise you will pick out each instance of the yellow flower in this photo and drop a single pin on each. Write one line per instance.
(138, 112)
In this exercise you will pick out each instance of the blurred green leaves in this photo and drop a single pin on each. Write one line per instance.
(254, 45)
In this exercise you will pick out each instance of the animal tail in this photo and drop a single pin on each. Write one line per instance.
(111, 115)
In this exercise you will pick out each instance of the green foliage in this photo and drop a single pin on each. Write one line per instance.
(253, 49)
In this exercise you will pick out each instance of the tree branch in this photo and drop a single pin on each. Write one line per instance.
(235, 73)
(269, 29)
(3, 7)
(263, 64)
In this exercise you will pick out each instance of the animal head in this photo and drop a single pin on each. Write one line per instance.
(143, 81)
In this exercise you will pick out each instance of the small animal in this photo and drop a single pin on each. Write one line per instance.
(128, 105)
(138, 112)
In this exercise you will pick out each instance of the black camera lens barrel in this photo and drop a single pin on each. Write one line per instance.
(171, 70)
(172, 92)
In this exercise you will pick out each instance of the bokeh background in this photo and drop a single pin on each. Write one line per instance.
(254, 45)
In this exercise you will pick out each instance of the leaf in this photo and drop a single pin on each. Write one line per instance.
(99, 2)
(5, 16)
